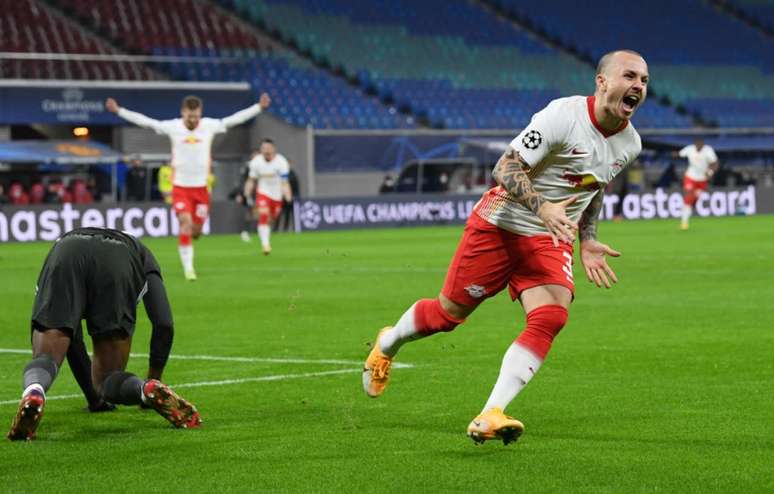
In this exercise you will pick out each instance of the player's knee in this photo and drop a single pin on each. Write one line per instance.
(122, 388)
(263, 217)
(543, 324)
(431, 317)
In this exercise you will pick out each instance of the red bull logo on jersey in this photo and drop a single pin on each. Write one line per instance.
(191, 140)
(585, 182)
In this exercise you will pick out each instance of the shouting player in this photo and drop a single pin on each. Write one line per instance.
(702, 164)
(270, 169)
(191, 137)
(521, 233)
(99, 275)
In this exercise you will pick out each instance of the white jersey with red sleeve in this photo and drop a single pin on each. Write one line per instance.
(569, 154)
(191, 149)
(270, 175)
(699, 161)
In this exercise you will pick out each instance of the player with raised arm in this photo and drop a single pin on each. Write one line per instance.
(521, 234)
(702, 165)
(191, 137)
(99, 275)
(269, 170)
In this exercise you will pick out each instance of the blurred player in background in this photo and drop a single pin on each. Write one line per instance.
(269, 170)
(521, 234)
(702, 165)
(99, 275)
(191, 138)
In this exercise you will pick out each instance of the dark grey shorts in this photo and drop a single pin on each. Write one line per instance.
(88, 277)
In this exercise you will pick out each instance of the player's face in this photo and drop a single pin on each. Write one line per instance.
(191, 117)
(268, 151)
(624, 84)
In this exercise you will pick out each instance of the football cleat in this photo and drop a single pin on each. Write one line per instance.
(494, 424)
(245, 237)
(266, 250)
(27, 418)
(169, 405)
(376, 371)
(190, 274)
(683, 225)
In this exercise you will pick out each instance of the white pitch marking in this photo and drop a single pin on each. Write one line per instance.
(278, 377)
(266, 360)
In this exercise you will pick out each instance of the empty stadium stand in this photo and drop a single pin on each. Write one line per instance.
(30, 26)
(700, 57)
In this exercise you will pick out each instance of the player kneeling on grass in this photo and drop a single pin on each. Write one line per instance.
(99, 275)
(521, 234)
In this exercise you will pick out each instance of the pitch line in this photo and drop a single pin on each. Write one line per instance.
(225, 382)
(264, 360)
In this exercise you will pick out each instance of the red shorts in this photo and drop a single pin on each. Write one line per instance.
(274, 206)
(194, 200)
(691, 185)
(489, 258)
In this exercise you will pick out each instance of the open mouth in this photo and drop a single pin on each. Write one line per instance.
(630, 102)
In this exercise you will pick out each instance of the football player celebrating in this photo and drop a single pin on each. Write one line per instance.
(270, 170)
(191, 138)
(521, 234)
(702, 165)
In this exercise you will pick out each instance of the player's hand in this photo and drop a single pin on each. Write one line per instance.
(111, 105)
(561, 228)
(264, 101)
(593, 258)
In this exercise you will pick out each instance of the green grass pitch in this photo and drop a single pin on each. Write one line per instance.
(664, 383)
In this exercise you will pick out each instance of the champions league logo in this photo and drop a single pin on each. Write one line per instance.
(532, 139)
(310, 215)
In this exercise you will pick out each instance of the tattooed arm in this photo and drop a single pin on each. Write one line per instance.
(593, 252)
(509, 174)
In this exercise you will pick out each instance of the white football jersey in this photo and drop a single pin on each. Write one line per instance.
(270, 175)
(569, 154)
(699, 161)
(191, 149)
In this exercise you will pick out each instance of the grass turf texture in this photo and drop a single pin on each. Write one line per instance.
(661, 384)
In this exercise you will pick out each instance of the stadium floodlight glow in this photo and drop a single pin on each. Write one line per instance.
(81, 131)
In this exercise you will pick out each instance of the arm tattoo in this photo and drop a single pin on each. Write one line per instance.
(509, 174)
(587, 228)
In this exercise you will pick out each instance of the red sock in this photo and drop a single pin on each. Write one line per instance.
(543, 324)
(184, 240)
(430, 318)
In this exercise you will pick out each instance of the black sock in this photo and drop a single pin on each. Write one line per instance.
(122, 388)
(40, 370)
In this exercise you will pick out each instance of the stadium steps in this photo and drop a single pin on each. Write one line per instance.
(720, 57)
(583, 56)
(462, 66)
(303, 51)
(63, 36)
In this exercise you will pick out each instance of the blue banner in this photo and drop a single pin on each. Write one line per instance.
(81, 105)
